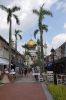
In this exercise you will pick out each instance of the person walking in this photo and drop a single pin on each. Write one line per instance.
(25, 71)
(22, 71)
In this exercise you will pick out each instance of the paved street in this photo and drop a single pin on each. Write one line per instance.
(23, 89)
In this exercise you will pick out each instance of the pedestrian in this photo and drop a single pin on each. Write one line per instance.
(25, 71)
(36, 76)
(22, 72)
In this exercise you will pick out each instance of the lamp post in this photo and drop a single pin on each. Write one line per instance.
(54, 68)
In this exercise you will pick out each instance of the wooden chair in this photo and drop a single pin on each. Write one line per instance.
(59, 79)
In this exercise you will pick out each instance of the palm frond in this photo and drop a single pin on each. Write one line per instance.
(4, 8)
(18, 31)
(27, 53)
(43, 5)
(25, 46)
(8, 18)
(20, 36)
(17, 20)
(9, 15)
(36, 11)
(44, 27)
(15, 8)
(46, 12)
(35, 32)
(38, 42)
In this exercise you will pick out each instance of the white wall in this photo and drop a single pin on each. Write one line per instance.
(1, 52)
(4, 53)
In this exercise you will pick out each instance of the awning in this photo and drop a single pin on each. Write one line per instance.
(49, 66)
(4, 61)
(20, 65)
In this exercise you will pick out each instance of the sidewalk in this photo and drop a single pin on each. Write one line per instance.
(24, 89)
(28, 79)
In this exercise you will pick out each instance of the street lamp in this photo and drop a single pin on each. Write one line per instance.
(54, 68)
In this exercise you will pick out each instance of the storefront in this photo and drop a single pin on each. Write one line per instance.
(60, 65)
(3, 62)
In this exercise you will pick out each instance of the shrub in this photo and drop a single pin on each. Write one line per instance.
(58, 91)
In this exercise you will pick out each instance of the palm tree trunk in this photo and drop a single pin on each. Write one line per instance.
(10, 45)
(16, 50)
(16, 43)
(42, 55)
(39, 55)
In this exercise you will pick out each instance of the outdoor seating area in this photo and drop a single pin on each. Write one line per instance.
(48, 76)
(13, 75)
(6, 76)
(61, 78)
(36, 74)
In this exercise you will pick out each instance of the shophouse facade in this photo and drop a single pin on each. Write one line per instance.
(4, 54)
(59, 58)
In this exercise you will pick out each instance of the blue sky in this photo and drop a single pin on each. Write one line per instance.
(56, 34)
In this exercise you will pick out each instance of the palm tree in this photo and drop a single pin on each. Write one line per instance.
(41, 27)
(45, 49)
(26, 48)
(17, 34)
(38, 50)
(27, 53)
(10, 12)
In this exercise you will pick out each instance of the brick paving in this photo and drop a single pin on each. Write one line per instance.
(29, 79)
(22, 91)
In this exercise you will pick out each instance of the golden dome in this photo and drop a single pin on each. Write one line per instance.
(31, 43)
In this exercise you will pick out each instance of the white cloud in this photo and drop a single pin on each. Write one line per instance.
(61, 5)
(20, 48)
(49, 47)
(3, 21)
(65, 25)
(25, 14)
(49, 3)
(57, 41)
(27, 18)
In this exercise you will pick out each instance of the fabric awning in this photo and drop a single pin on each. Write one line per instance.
(50, 64)
(4, 61)
(20, 65)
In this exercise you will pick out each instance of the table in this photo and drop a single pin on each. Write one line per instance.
(35, 74)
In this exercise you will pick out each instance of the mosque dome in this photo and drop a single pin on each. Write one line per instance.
(31, 43)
